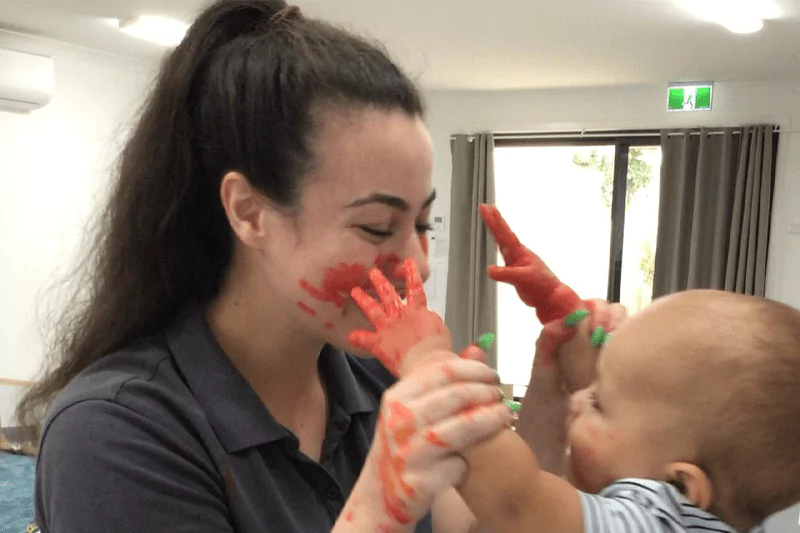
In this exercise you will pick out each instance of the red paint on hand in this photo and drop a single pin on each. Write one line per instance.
(535, 283)
(398, 327)
(395, 430)
(436, 440)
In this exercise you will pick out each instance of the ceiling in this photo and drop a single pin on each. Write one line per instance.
(488, 44)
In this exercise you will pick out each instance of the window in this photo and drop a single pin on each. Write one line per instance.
(589, 209)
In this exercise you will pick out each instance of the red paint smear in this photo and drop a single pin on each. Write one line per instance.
(349, 516)
(390, 468)
(306, 309)
(449, 372)
(329, 325)
(401, 423)
(434, 439)
(469, 412)
(390, 265)
(337, 283)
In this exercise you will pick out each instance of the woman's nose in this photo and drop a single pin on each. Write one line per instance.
(417, 249)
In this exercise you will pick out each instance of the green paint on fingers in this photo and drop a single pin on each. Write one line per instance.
(486, 341)
(599, 337)
(574, 318)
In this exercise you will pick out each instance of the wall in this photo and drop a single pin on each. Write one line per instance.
(53, 164)
(640, 107)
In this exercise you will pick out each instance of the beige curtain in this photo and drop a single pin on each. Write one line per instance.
(715, 209)
(471, 308)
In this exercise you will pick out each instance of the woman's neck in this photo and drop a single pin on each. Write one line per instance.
(276, 357)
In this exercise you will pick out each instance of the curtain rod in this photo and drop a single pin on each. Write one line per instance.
(587, 134)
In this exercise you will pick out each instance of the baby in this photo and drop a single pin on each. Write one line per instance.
(692, 421)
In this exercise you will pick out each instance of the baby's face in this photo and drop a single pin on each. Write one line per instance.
(631, 422)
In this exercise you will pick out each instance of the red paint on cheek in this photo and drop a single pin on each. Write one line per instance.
(306, 309)
(337, 283)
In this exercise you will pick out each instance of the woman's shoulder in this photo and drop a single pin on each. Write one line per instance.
(142, 378)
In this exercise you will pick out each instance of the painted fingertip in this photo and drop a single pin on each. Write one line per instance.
(502, 394)
(513, 406)
(497, 377)
(574, 318)
(486, 341)
(607, 338)
(598, 337)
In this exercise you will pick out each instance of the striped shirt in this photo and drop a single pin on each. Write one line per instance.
(645, 506)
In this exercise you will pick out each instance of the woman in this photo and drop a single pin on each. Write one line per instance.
(199, 387)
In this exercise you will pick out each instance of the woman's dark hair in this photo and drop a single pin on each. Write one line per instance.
(238, 94)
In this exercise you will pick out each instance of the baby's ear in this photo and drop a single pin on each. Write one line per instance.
(692, 482)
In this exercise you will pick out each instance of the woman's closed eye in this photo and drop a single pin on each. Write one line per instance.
(386, 233)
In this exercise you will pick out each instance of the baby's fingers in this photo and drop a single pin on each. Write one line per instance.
(415, 291)
(372, 309)
(386, 292)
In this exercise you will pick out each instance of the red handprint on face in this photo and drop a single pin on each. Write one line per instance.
(398, 327)
(536, 284)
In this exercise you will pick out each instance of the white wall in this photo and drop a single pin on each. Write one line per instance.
(53, 163)
(635, 108)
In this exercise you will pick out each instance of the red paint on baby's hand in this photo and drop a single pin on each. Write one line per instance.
(398, 326)
(535, 283)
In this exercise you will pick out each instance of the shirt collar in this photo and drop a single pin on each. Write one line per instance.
(234, 410)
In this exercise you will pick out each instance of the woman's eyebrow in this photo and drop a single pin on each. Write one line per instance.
(387, 199)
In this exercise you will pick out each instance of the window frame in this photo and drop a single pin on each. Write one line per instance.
(622, 142)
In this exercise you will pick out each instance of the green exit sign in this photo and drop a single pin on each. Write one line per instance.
(690, 97)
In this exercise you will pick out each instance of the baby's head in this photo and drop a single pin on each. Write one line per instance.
(698, 390)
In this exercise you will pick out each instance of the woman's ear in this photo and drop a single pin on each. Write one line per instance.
(692, 482)
(244, 207)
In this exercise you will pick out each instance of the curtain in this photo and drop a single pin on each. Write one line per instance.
(714, 210)
(471, 305)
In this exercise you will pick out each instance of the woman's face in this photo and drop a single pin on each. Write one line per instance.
(366, 203)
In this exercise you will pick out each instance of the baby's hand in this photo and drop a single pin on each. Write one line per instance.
(406, 336)
(574, 343)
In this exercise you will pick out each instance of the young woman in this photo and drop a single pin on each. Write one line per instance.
(201, 385)
(200, 381)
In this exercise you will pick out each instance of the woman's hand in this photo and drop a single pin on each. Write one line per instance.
(426, 421)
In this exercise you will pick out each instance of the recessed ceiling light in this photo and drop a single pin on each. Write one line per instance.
(159, 30)
(738, 16)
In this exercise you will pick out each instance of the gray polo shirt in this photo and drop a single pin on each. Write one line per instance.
(168, 437)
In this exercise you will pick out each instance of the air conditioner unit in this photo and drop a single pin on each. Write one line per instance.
(27, 81)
